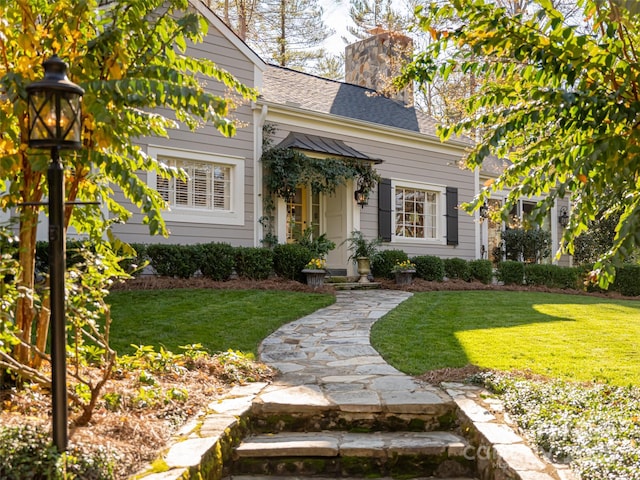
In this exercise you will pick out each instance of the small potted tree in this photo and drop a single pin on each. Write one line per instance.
(362, 250)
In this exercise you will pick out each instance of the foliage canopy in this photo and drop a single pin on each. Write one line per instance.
(558, 96)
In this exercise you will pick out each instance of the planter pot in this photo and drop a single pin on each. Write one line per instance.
(364, 268)
(405, 277)
(315, 278)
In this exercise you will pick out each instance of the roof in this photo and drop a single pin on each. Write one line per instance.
(317, 144)
(289, 87)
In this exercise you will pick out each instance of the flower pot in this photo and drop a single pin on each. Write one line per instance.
(364, 268)
(315, 278)
(405, 277)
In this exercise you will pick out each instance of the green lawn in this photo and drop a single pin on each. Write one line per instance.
(564, 336)
(218, 319)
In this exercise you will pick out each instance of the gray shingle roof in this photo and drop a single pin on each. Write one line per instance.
(289, 87)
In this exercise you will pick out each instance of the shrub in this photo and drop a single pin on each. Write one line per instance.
(382, 264)
(180, 261)
(457, 268)
(511, 273)
(217, 260)
(133, 263)
(319, 245)
(289, 259)
(254, 262)
(429, 268)
(529, 245)
(481, 270)
(27, 452)
(627, 280)
(553, 276)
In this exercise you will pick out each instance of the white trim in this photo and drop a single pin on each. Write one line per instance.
(178, 214)
(441, 226)
(334, 124)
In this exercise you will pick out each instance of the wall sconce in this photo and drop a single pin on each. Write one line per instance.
(361, 197)
(563, 218)
(484, 211)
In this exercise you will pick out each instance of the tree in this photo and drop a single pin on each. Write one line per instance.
(129, 56)
(367, 14)
(291, 32)
(558, 96)
(239, 15)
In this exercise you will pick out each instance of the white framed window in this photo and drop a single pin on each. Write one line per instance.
(213, 192)
(418, 211)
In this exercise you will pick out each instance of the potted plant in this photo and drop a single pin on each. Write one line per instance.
(362, 250)
(403, 272)
(315, 272)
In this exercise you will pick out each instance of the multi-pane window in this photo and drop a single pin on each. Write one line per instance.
(416, 213)
(208, 186)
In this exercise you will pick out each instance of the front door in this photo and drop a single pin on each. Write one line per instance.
(303, 211)
(337, 219)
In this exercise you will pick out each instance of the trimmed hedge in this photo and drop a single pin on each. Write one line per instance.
(384, 261)
(511, 272)
(289, 259)
(481, 270)
(217, 261)
(181, 261)
(255, 263)
(457, 268)
(552, 276)
(429, 267)
(627, 280)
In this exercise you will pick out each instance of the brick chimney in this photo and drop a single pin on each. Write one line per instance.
(375, 61)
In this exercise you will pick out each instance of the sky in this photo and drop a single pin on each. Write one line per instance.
(336, 16)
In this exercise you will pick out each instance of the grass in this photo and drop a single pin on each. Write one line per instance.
(218, 319)
(567, 337)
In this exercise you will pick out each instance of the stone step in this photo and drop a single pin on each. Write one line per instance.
(339, 402)
(331, 453)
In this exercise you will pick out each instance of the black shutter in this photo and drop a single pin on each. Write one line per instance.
(384, 209)
(452, 216)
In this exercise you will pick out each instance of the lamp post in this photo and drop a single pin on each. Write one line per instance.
(55, 122)
(563, 218)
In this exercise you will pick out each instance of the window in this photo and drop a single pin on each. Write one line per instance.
(213, 192)
(417, 211)
(208, 186)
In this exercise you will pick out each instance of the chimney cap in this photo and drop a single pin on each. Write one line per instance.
(377, 30)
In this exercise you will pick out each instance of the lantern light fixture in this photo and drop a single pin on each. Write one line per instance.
(563, 218)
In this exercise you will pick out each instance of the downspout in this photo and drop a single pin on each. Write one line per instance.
(258, 121)
(476, 215)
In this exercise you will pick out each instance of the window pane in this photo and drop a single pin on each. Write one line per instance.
(208, 186)
(416, 213)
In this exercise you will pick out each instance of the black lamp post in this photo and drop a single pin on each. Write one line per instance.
(55, 122)
(484, 211)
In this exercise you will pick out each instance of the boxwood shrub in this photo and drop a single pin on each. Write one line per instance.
(384, 261)
(511, 272)
(255, 263)
(217, 260)
(553, 276)
(289, 259)
(429, 267)
(180, 261)
(457, 268)
(627, 280)
(481, 270)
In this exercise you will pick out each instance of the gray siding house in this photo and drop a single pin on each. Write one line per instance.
(414, 208)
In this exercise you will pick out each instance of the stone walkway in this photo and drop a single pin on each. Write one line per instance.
(326, 358)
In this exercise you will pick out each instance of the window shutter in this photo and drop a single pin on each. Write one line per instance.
(452, 216)
(384, 209)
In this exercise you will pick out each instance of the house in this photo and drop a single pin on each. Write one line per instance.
(413, 208)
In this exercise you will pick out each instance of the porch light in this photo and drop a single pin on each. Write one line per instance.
(55, 123)
(484, 211)
(361, 198)
(563, 218)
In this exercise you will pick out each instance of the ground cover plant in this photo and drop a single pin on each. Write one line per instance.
(569, 337)
(596, 429)
(217, 319)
